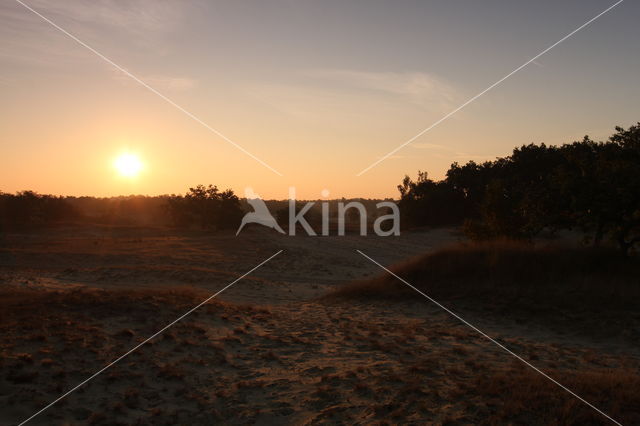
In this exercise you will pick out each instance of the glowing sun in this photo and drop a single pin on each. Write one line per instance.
(128, 165)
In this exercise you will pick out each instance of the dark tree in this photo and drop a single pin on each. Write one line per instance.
(206, 207)
(587, 185)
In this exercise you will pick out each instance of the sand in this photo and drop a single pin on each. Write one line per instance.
(268, 350)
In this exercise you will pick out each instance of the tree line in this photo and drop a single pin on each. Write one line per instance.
(202, 206)
(590, 186)
(586, 185)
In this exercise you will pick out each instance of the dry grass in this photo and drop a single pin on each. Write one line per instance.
(307, 364)
(511, 271)
(594, 293)
(522, 396)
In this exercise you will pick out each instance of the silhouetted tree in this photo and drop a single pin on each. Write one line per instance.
(587, 185)
(430, 203)
(27, 209)
(207, 207)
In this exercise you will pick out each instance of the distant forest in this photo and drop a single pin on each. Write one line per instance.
(588, 186)
(593, 187)
(205, 207)
(202, 207)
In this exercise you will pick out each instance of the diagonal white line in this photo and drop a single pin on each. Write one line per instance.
(483, 334)
(192, 116)
(149, 338)
(390, 153)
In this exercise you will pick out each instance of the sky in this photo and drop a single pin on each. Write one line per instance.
(318, 90)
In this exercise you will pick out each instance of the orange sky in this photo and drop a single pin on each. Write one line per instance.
(317, 94)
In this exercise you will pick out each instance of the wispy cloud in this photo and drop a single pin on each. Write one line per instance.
(159, 82)
(319, 95)
(138, 16)
(140, 24)
(395, 157)
(443, 151)
(171, 83)
(426, 145)
(305, 103)
(419, 88)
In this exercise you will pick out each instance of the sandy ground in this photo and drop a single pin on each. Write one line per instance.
(267, 351)
(107, 256)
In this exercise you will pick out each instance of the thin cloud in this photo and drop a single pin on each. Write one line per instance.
(172, 83)
(142, 24)
(356, 95)
(135, 15)
(426, 145)
(443, 151)
(396, 157)
(316, 104)
(418, 88)
(469, 157)
(159, 82)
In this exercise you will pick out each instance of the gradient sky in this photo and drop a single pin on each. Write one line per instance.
(317, 89)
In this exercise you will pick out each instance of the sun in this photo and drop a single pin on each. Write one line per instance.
(128, 165)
